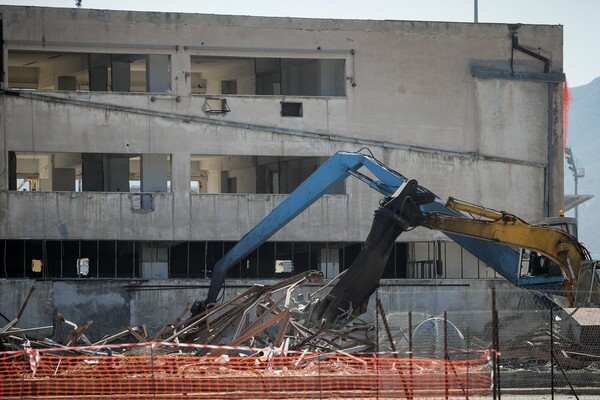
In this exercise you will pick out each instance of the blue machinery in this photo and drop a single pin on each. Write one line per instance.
(503, 259)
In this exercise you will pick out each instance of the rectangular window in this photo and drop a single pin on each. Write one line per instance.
(90, 172)
(268, 76)
(46, 70)
(253, 174)
(289, 109)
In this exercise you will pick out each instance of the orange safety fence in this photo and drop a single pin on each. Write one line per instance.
(151, 374)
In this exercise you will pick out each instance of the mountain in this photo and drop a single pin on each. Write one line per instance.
(584, 140)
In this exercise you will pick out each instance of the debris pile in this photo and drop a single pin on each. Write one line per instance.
(274, 316)
(258, 344)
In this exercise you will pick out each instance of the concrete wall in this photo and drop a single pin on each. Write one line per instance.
(413, 95)
(410, 96)
(114, 305)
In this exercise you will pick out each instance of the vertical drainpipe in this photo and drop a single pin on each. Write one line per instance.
(549, 175)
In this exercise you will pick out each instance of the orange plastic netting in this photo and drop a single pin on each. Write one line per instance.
(174, 376)
(567, 99)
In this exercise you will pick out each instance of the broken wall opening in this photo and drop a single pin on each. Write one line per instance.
(90, 172)
(170, 260)
(196, 259)
(106, 72)
(253, 174)
(268, 76)
(444, 259)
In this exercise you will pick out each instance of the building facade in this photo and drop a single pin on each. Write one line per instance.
(142, 145)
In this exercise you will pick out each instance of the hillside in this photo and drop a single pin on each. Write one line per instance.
(584, 140)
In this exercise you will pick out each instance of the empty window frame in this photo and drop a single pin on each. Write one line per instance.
(90, 172)
(69, 259)
(268, 76)
(253, 174)
(89, 71)
(291, 109)
(444, 259)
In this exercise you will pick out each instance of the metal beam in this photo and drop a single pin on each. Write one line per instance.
(494, 73)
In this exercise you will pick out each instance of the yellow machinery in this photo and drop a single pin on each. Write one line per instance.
(580, 272)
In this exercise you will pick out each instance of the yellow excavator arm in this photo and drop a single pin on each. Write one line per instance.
(500, 226)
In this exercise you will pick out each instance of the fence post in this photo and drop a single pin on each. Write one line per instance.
(496, 347)
(410, 352)
(552, 352)
(446, 354)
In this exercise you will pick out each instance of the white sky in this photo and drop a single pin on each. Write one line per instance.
(580, 18)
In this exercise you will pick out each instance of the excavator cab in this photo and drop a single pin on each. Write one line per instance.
(532, 263)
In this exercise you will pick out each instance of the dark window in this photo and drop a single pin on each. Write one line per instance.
(126, 257)
(289, 109)
(197, 259)
(178, 260)
(69, 259)
(106, 258)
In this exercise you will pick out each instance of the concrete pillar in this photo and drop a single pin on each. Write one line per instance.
(158, 75)
(121, 76)
(99, 64)
(45, 173)
(92, 175)
(213, 185)
(153, 171)
(116, 173)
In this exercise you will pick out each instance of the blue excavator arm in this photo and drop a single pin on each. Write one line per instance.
(503, 259)
(336, 169)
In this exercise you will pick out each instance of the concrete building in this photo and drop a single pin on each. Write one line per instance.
(140, 146)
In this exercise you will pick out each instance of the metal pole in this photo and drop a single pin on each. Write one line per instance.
(552, 351)
(446, 354)
(410, 351)
(576, 207)
(377, 301)
(495, 344)
(476, 10)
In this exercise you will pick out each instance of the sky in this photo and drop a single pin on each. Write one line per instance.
(580, 18)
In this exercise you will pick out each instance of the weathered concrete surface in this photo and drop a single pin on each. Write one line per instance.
(414, 97)
(115, 304)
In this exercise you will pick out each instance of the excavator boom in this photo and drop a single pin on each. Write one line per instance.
(406, 205)
(502, 227)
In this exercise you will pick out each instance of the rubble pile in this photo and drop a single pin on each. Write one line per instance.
(275, 317)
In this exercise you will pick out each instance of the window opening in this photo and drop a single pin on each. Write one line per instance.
(268, 76)
(92, 172)
(43, 70)
(253, 174)
(289, 109)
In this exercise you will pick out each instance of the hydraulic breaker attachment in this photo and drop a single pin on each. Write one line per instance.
(396, 214)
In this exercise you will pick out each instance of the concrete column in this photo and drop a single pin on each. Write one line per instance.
(91, 172)
(214, 182)
(180, 172)
(153, 171)
(121, 76)
(158, 75)
(99, 64)
(181, 76)
(116, 173)
(45, 173)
